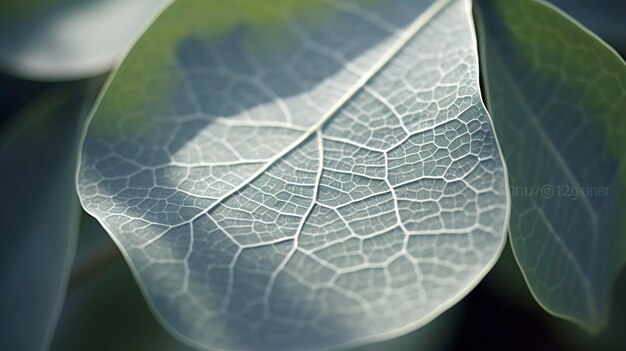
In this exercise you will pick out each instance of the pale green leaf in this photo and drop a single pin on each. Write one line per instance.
(558, 98)
(299, 175)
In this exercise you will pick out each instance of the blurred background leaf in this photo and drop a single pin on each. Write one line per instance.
(69, 39)
(15, 94)
(557, 96)
(604, 17)
(39, 213)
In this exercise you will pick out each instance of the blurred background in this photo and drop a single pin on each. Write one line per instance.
(104, 309)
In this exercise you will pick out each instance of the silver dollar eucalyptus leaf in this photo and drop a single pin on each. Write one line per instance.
(299, 175)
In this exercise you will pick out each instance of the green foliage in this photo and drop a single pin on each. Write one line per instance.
(557, 95)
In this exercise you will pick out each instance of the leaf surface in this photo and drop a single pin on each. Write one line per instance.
(104, 308)
(558, 98)
(39, 215)
(299, 174)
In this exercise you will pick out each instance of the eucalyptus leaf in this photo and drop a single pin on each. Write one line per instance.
(603, 17)
(611, 338)
(104, 309)
(299, 175)
(557, 94)
(39, 215)
(69, 39)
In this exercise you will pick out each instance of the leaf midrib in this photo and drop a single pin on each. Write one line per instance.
(405, 37)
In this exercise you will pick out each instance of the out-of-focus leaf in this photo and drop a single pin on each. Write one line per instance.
(105, 310)
(557, 95)
(297, 175)
(612, 338)
(604, 17)
(39, 214)
(69, 39)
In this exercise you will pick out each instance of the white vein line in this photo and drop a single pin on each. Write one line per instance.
(385, 102)
(432, 127)
(351, 143)
(259, 124)
(283, 263)
(157, 237)
(262, 86)
(313, 255)
(413, 29)
(266, 243)
(185, 286)
(353, 173)
(279, 101)
(208, 164)
(322, 49)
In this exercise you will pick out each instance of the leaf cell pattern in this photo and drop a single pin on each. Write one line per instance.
(344, 186)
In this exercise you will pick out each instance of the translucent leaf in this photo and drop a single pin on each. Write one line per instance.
(69, 39)
(558, 98)
(39, 215)
(104, 309)
(297, 175)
